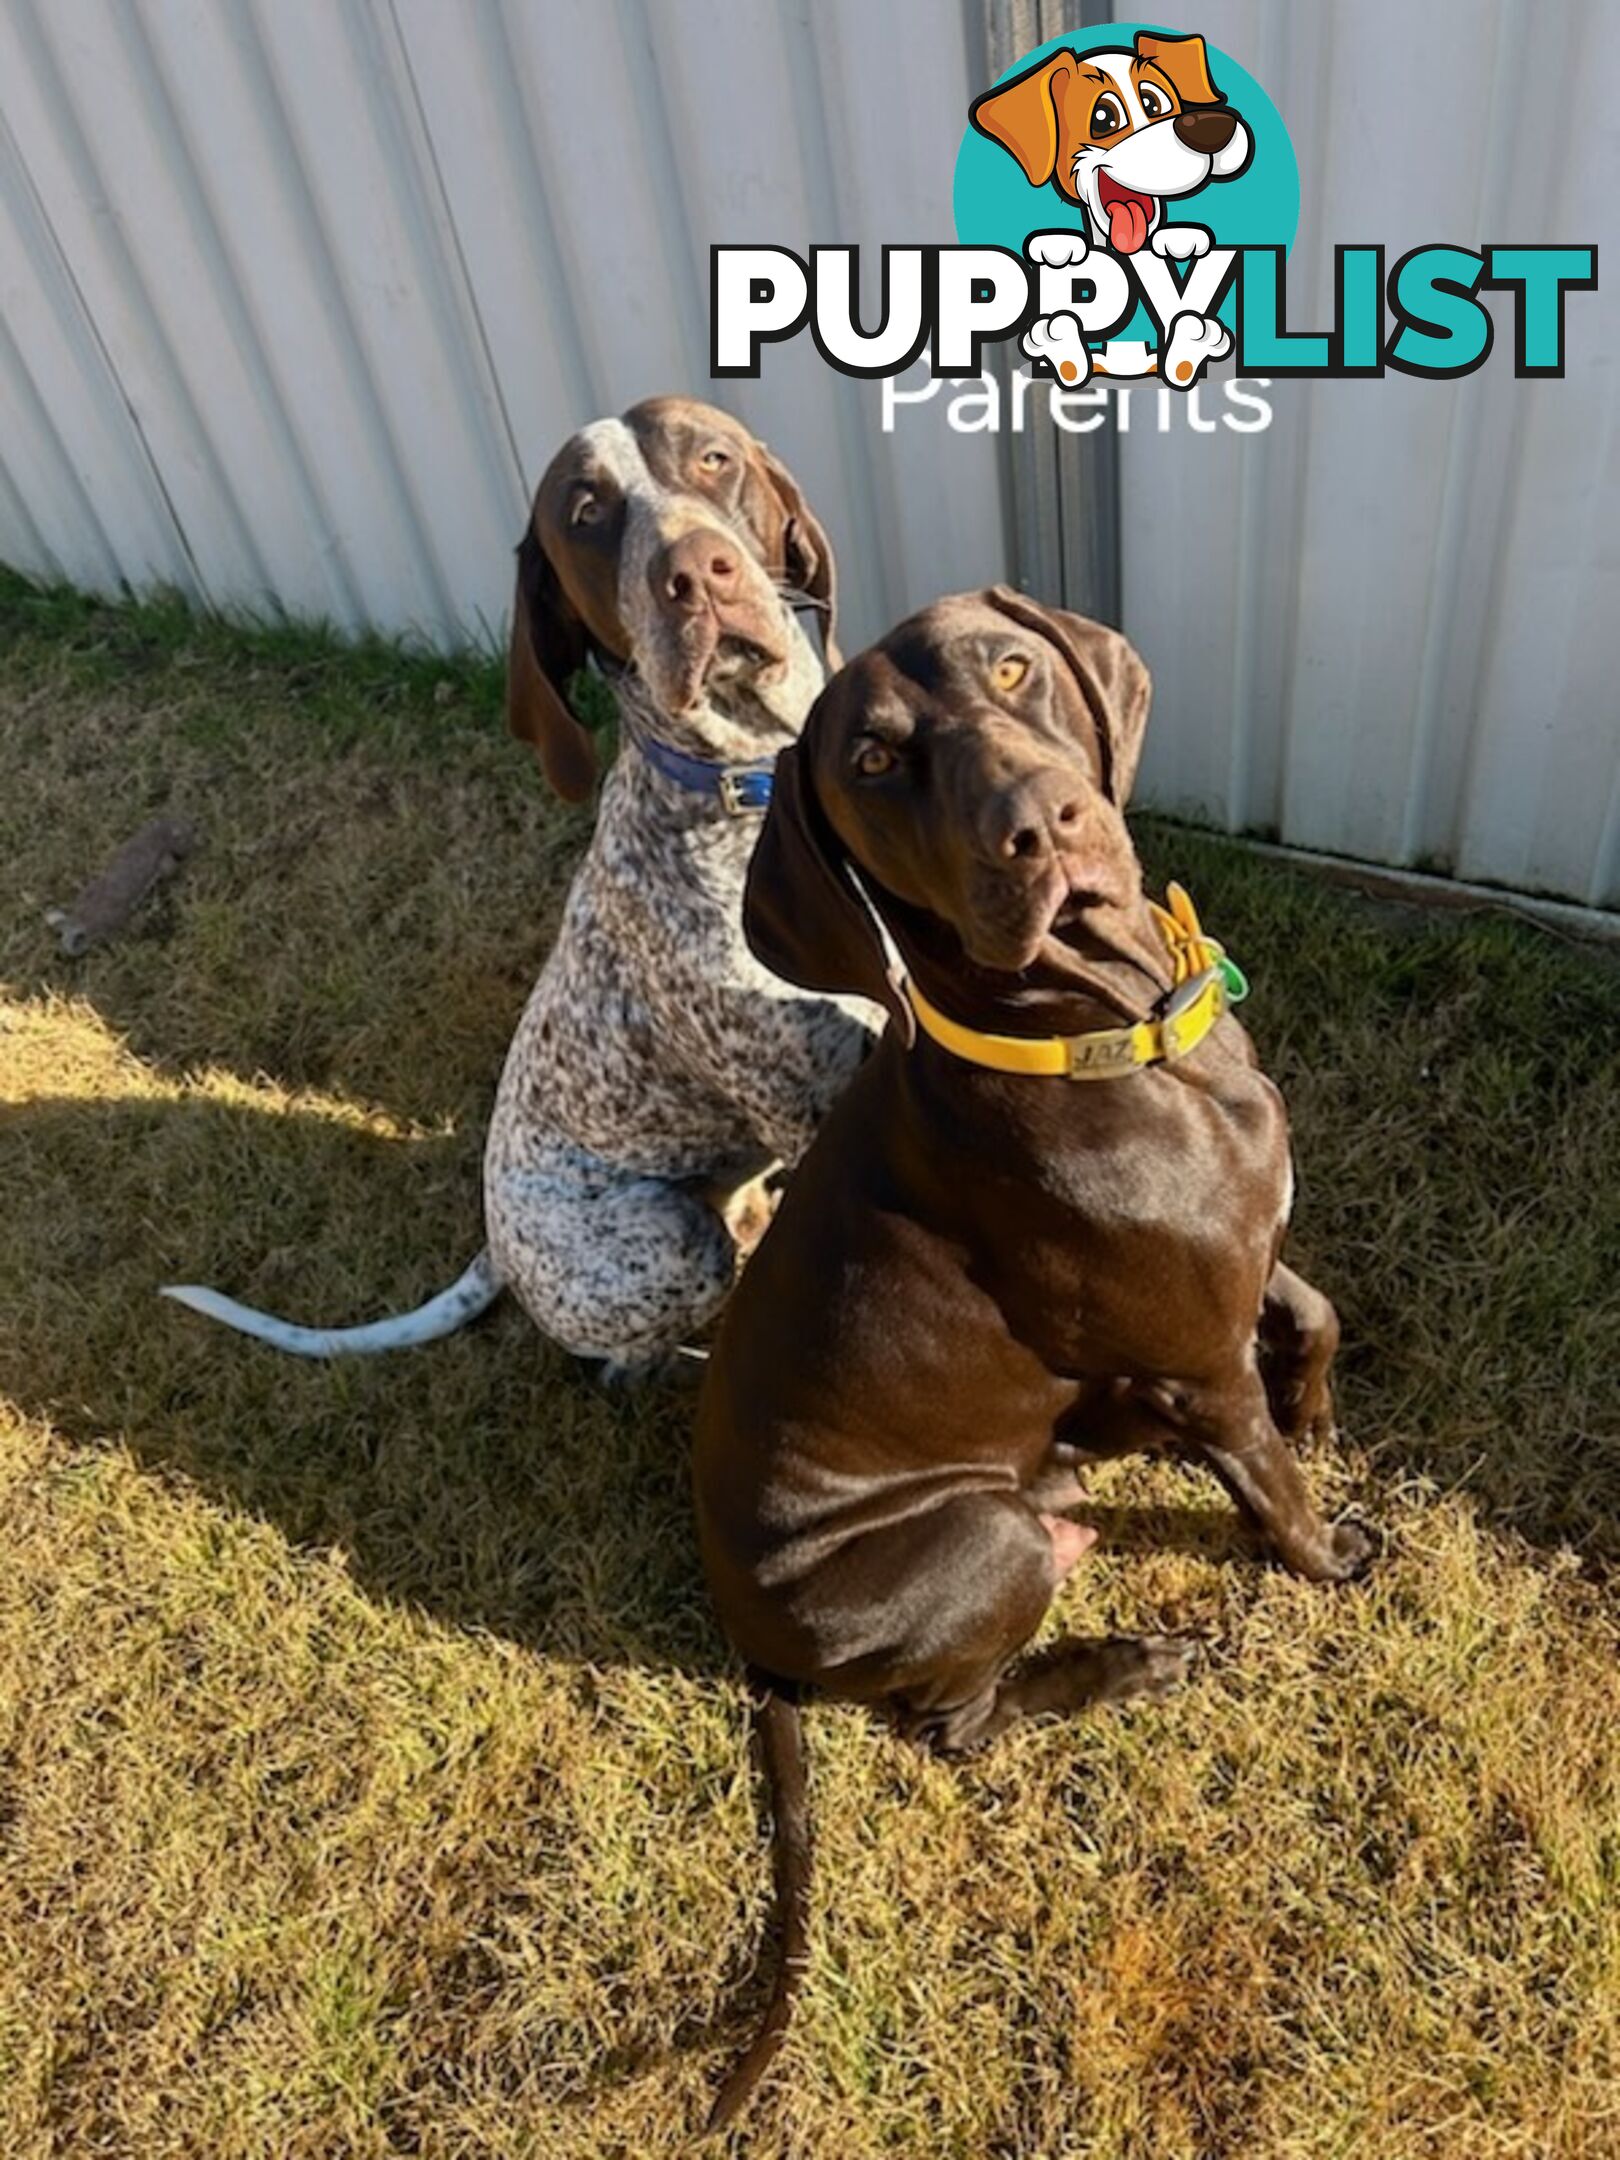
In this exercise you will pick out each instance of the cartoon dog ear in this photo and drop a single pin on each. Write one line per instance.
(1112, 676)
(549, 643)
(802, 915)
(1022, 115)
(1186, 61)
(807, 556)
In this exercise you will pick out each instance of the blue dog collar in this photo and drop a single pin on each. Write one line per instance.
(740, 788)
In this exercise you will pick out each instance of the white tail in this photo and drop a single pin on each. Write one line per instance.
(468, 1296)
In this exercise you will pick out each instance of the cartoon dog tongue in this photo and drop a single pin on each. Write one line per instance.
(1128, 215)
(1127, 224)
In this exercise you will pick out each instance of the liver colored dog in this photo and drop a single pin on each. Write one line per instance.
(979, 1280)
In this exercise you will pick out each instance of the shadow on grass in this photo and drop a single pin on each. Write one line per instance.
(488, 1480)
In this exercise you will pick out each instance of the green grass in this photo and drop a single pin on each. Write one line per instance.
(372, 1777)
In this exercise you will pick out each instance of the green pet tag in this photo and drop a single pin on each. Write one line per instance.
(1237, 983)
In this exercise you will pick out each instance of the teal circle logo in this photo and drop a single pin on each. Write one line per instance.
(998, 201)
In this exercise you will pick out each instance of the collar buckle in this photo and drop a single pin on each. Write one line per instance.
(1179, 1030)
(742, 793)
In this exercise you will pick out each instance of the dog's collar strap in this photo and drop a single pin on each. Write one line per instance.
(739, 788)
(1206, 983)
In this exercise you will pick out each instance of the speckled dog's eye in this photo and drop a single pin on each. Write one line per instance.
(713, 461)
(1009, 671)
(874, 759)
(586, 510)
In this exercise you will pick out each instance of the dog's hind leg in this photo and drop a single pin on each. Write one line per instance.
(1299, 1337)
(955, 1595)
(624, 1270)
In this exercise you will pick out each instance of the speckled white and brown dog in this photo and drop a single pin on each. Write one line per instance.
(658, 1071)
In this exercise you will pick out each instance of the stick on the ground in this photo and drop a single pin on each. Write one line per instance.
(108, 901)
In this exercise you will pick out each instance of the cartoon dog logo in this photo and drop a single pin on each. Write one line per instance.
(1121, 133)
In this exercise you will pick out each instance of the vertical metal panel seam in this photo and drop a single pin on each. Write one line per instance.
(1322, 117)
(364, 32)
(1470, 764)
(851, 417)
(674, 210)
(324, 268)
(144, 305)
(93, 332)
(231, 297)
(469, 295)
(1254, 470)
(22, 520)
(30, 390)
(1462, 410)
(498, 58)
(1603, 879)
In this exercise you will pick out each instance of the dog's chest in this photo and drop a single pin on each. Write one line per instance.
(1155, 1206)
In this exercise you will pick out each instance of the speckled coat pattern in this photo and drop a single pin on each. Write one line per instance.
(656, 1057)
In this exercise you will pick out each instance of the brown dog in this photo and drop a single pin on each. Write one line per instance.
(980, 1277)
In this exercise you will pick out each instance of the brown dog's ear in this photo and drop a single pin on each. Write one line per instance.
(802, 915)
(1022, 115)
(547, 645)
(807, 556)
(1112, 676)
(1185, 61)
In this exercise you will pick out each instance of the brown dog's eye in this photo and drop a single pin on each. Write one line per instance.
(1107, 116)
(1009, 671)
(874, 759)
(1154, 102)
(586, 511)
(714, 461)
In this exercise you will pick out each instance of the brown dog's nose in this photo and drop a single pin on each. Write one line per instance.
(1206, 131)
(1029, 819)
(697, 571)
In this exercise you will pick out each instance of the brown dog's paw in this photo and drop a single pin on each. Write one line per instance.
(1152, 1666)
(1351, 1549)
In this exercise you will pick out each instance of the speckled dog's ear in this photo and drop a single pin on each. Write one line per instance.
(801, 548)
(548, 643)
(802, 913)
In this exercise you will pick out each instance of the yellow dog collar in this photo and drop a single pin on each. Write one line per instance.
(1206, 983)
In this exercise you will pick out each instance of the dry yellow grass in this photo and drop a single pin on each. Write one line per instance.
(372, 1779)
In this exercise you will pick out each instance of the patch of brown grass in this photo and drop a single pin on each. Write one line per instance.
(372, 1779)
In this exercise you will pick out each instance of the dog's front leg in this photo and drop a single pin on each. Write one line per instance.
(1194, 341)
(1299, 1337)
(1232, 1430)
(1059, 340)
(1181, 243)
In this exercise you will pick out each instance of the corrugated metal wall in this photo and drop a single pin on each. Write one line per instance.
(297, 297)
(1389, 627)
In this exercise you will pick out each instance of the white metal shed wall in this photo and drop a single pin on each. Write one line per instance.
(297, 297)
(1390, 626)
